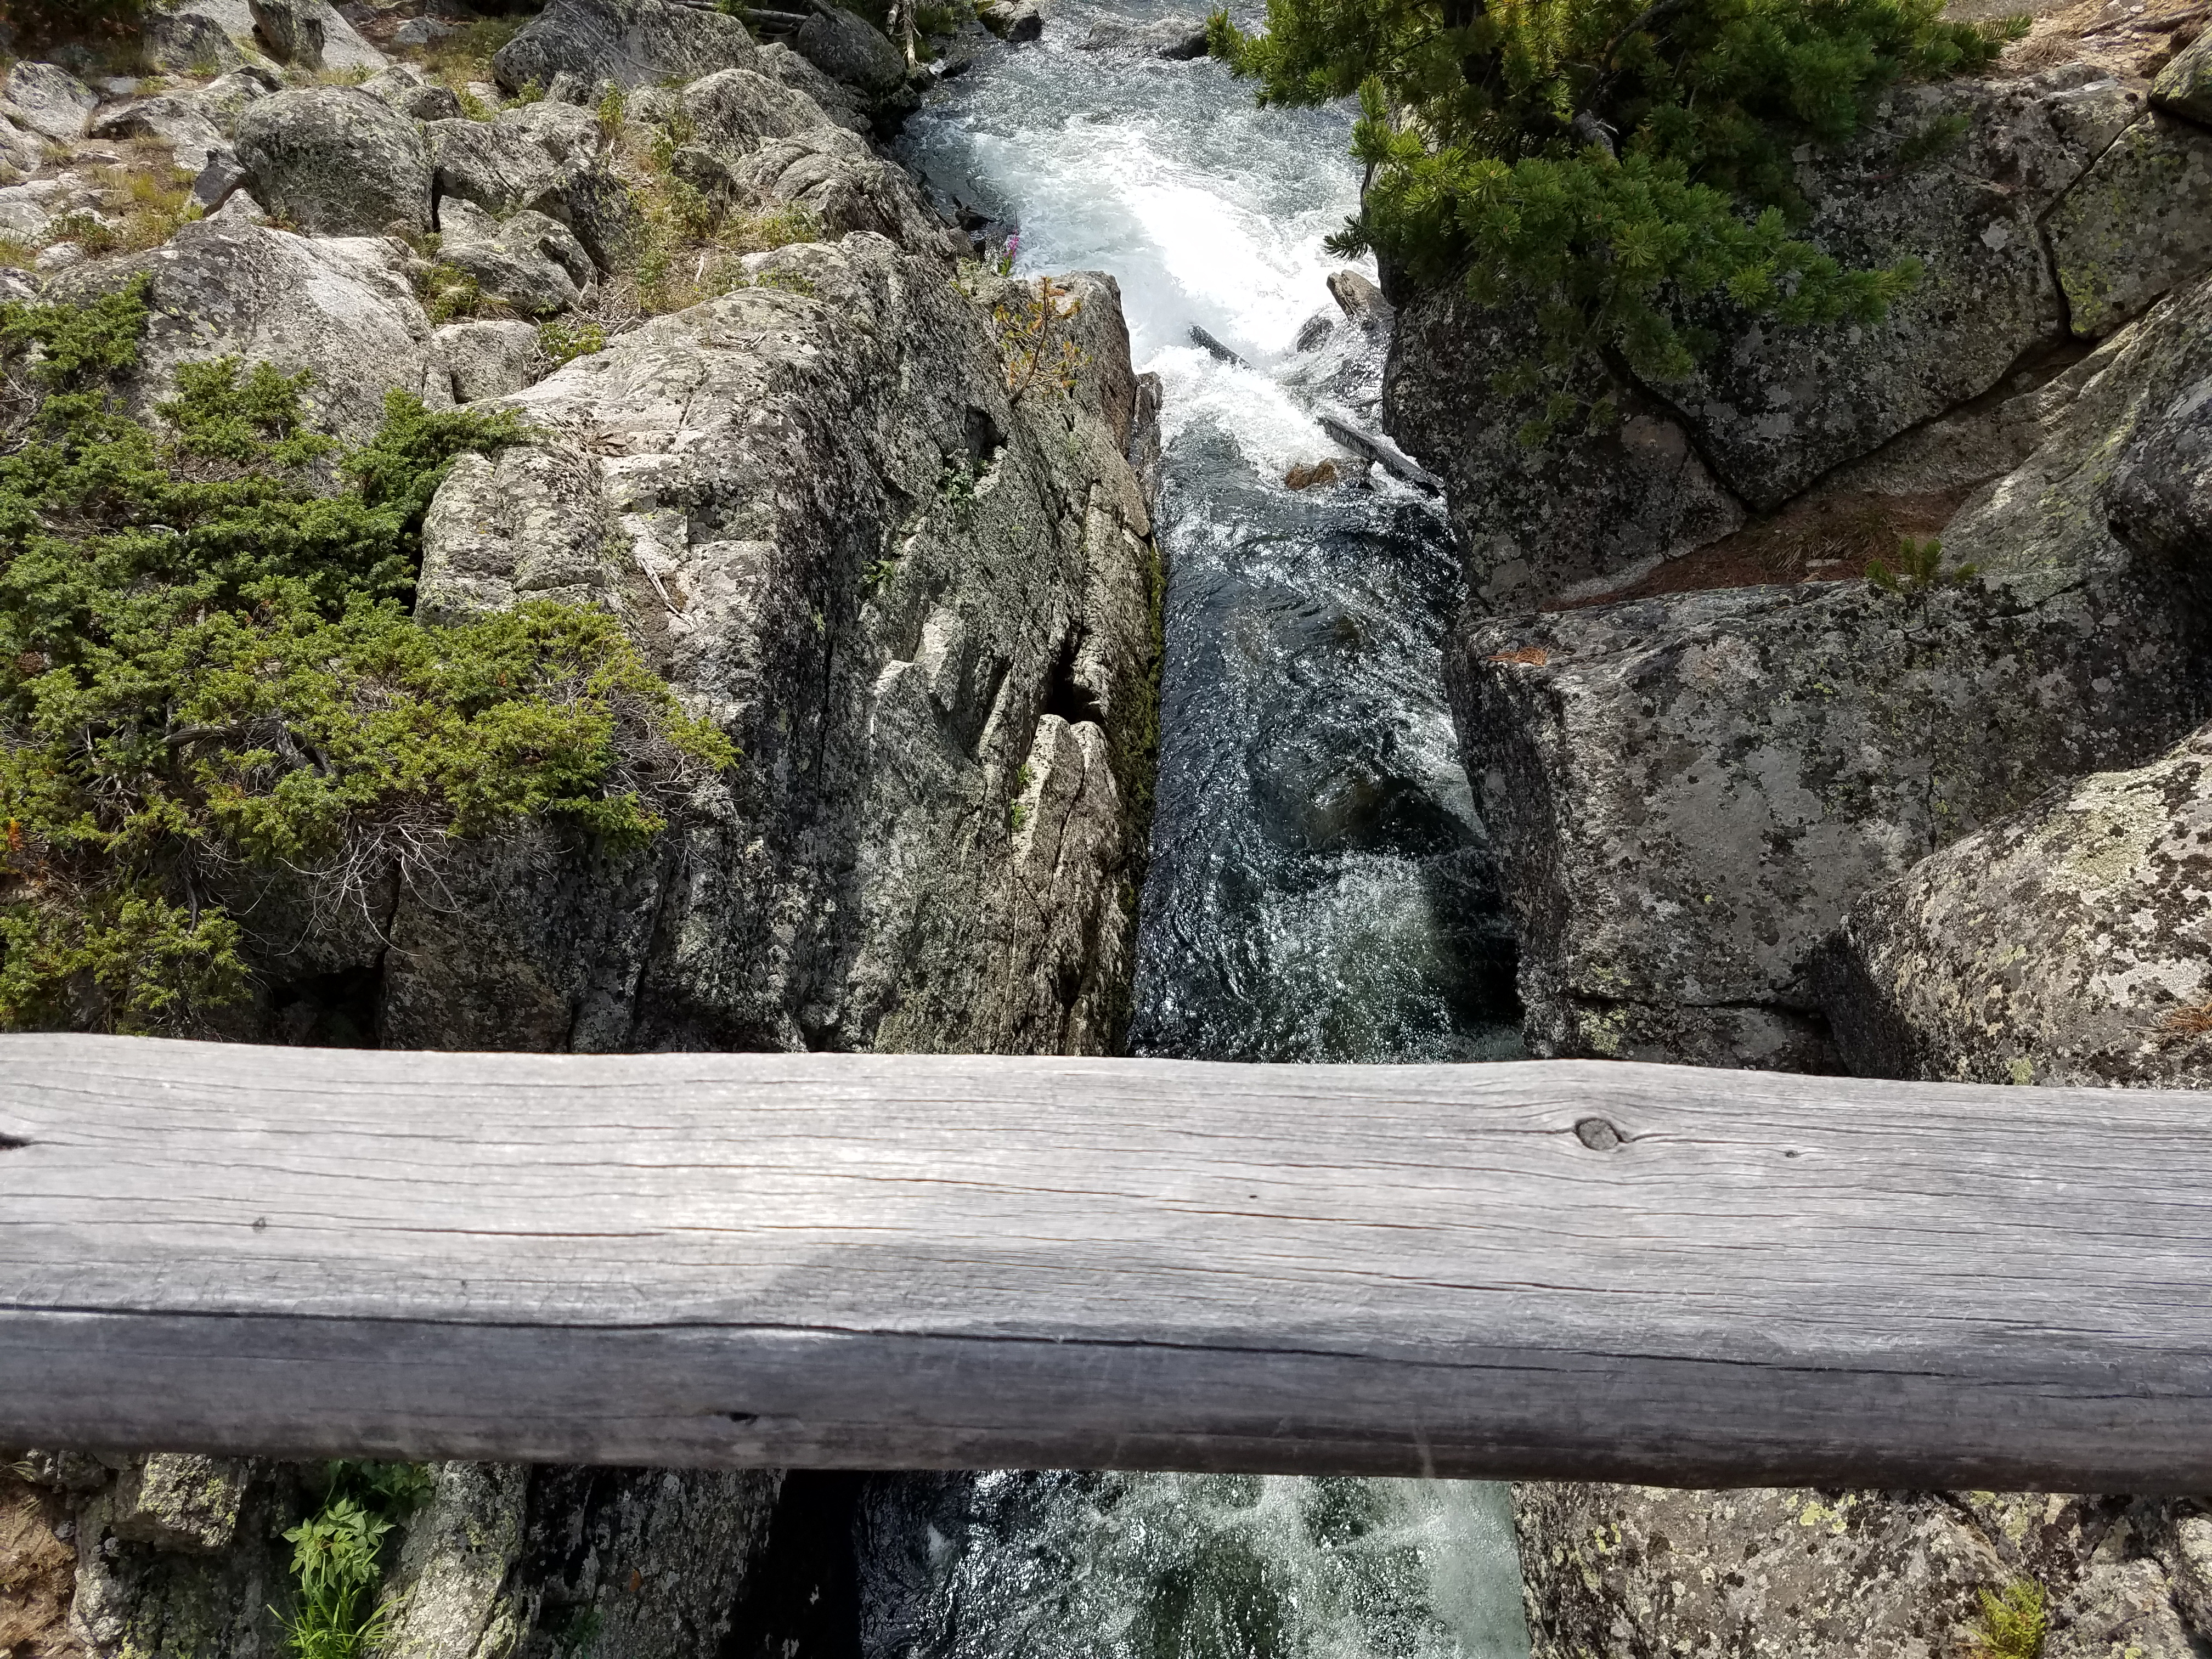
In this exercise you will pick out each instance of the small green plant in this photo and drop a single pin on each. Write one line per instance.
(955, 485)
(1919, 568)
(449, 294)
(1018, 815)
(563, 339)
(336, 1558)
(613, 112)
(1033, 336)
(878, 572)
(2012, 1624)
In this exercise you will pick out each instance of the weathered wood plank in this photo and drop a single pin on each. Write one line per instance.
(894, 1261)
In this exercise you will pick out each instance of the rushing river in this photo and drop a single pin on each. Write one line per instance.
(1319, 890)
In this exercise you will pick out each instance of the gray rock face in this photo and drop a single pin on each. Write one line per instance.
(341, 308)
(1687, 793)
(292, 30)
(2138, 224)
(197, 27)
(222, 98)
(924, 617)
(187, 41)
(846, 47)
(506, 1560)
(1777, 407)
(529, 262)
(181, 1502)
(1538, 524)
(491, 359)
(412, 92)
(845, 107)
(633, 43)
(2070, 943)
(758, 140)
(334, 160)
(542, 158)
(193, 138)
(1640, 1572)
(49, 101)
(847, 188)
(2183, 87)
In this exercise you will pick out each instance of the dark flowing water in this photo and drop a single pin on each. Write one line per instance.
(1320, 887)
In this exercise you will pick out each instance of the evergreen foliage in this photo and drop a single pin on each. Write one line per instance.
(209, 676)
(1606, 160)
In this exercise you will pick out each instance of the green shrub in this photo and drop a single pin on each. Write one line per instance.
(209, 673)
(1606, 161)
(2012, 1625)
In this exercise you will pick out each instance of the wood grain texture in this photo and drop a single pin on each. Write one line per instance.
(889, 1261)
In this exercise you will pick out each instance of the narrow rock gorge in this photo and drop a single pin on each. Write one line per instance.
(1036, 527)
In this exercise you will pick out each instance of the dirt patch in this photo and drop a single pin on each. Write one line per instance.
(2131, 39)
(38, 1574)
(1830, 540)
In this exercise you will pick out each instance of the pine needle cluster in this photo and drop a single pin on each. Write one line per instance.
(210, 677)
(1605, 162)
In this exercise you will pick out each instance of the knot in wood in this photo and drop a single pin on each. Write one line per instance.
(1598, 1135)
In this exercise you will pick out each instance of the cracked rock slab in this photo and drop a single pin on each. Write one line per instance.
(2068, 944)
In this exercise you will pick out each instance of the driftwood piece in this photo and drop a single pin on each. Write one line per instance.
(1565, 1269)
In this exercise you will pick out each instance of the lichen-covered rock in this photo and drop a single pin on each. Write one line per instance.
(846, 47)
(2138, 224)
(491, 359)
(1687, 793)
(191, 136)
(136, 1599)
(334, 160)
(507, 1562)
(180, 1501)
(843, 105)
(633, 43)
(412, 92)
(529, 262)
(2068, 944)
(921, 609)
(292, 30)
(753, 139)
(49, 101)
(341, 308)
(222, 98)
(542, 158)
(836, 178)
(1580, 515)
(1642, 1572)
(185, 40)
(195, 29)
(2183, 87)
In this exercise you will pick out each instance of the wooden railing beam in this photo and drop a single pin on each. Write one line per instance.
(1557, 1269)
